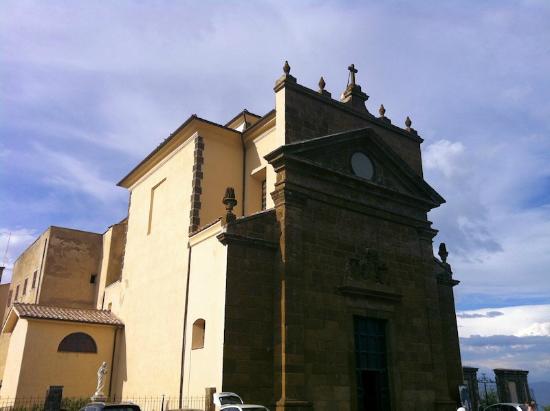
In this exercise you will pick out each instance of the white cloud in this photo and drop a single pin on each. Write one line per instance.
(445, 156)
(519, 338)
(510, 321)
(76, 175)
(536, 329)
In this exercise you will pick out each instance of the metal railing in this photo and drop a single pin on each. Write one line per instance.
(146, 403)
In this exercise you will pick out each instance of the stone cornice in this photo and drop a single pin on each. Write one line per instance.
(229, 238)
(371, 293)
(446, 279)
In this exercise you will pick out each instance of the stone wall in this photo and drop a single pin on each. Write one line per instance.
(309, 114)
(249, 310)
(324, 235)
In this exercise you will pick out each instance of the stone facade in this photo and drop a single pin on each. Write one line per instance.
(346, 249)
(329, 299)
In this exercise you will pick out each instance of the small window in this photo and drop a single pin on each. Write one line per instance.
(198, 334)
(34, 279)
(92, 278)
(77, 342)
(264, 198)
(16, 293)
(25, 286)
(10, 294)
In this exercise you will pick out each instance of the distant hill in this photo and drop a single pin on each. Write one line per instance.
(542, 392)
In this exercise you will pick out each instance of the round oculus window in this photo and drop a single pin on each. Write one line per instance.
(362, 166)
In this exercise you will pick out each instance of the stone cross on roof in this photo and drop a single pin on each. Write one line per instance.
(352, 72)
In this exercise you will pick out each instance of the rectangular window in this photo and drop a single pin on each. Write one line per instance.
(92, 278)
(25, 286)
(34, 279)
(371, 364)
(264, 198)
(151, 205)
(16, 293)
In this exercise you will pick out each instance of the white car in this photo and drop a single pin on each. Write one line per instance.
(225, 398)
(229, 401)
(506, 407)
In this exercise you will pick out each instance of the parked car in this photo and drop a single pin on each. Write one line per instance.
(224, 398)
(229, 401)
(244, 407)
(506, 407)
(103, 406)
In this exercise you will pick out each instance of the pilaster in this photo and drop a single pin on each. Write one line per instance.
(290, 377)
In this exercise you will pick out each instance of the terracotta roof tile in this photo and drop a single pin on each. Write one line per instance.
(81, 315)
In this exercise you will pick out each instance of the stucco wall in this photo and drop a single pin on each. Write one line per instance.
(14, 360)
(257, 168)
(152, 288)
(113, 297)
(4, 290)
(25, 266)
(114, 241)
(4, 338)
(4, 346)
(203, 366)
(73, 257)
(222, 168)
(35, 343)
(116, 252)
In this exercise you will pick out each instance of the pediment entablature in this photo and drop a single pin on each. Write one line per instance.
(361, 155)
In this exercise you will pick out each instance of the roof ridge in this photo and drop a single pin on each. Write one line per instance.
(59, 307)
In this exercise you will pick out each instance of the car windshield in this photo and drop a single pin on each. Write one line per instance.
(506, 407)
(230, 399)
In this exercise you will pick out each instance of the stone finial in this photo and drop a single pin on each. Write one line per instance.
(322, 90)
(285, 78)
(443, 252)
(286, 68)
(408, 123)
(352, 95)
(352, 72)
(322, 84)
(230, 202)
(382, 111)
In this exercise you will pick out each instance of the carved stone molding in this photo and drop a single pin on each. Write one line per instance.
(366, 265)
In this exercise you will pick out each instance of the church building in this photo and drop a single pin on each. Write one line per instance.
(286, 257)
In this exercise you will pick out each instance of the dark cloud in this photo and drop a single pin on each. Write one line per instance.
(488, 314)
(506, 341)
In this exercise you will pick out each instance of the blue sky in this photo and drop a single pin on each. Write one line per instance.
(88, 88)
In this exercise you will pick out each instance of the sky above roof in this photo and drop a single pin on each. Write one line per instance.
(87, 89)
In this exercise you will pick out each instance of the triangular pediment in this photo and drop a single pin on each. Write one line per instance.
(364, 156)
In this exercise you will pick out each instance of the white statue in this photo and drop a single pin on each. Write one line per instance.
(101, 372)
